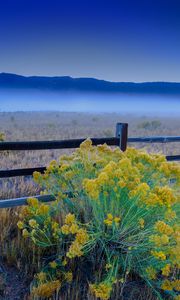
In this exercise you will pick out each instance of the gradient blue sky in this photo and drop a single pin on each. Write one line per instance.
(113, 40)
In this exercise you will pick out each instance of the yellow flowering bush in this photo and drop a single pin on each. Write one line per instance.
(112, 208)
(2, 137)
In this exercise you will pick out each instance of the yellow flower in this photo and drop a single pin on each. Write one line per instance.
(74, 250)
(176, 236)
(170, 214)
(141, 190)
(151, 272)
(36, 175)
(33, 223)
(73, 228)
(69, 276)
(166, 195)
(63, 167)
(141, 223)
(108, 266)
(152, 200)
(46, 289)
(25, 211)
(87, 144)
(33, 202)
(159, 255)
(70, 218)
(25, 233)
(82, 236)
(69, 175)
(110, 219)
(164, 239)
(43, 209)
(162, 227)
(33, 232)
(65, 229)
(64, 262)
(101, 290)
(166, 285)
(64, 186)
(91, 188)
(176, 284)
(20, 224)
(108, 222)
(53, 163)
(174, 253)
(55, 226)
(159, 240)
(53, 264)
(102, 178)
(41, 276)
(2, 136)
(166, 270)
(117, 220)
(121, 184)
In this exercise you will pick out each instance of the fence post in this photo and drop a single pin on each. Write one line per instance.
(122, 134)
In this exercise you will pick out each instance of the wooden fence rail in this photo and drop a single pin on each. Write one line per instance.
(75, 143)
(121, 139)
(8, 203)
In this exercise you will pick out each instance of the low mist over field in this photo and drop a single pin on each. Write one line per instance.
(97, 103)
(20, 93)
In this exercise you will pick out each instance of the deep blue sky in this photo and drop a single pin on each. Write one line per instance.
(113, 40)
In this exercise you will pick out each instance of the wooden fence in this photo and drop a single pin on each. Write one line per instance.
(120, 139)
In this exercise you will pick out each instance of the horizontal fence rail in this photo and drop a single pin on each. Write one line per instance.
(75, 143)
(23, 201)
(121, 139)
(62, 144)
(173, 157)
(21, 172)
(154, 139)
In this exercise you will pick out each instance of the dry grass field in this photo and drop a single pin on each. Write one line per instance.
(24, 126)
(21, 126)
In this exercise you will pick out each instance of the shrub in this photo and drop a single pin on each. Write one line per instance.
(115, 216)
(150, 125)
(2, 137)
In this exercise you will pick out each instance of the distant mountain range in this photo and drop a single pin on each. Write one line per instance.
(66, 83)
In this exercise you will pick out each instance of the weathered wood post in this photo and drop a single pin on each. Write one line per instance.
(122, 134)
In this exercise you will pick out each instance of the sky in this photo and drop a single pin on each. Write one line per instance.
(115, 40)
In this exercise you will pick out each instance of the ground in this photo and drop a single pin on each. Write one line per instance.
(13, 286)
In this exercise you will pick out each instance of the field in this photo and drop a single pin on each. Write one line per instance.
(52, 126)
(21, 126)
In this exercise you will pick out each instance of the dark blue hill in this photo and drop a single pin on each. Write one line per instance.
(66, 83)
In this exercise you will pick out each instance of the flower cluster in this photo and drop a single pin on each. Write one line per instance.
(81, 236)
(170, 285)
(101, 290)
(110, 220)
(46, 289)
